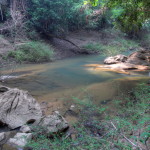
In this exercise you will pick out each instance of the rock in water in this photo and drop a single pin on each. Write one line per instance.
(140, 58)
(54, 123)
(116, 59)
(18, 107)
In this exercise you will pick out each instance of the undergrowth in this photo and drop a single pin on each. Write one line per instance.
(127, 129)
(32, 52)
(115, 47)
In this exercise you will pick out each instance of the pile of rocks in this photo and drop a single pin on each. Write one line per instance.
(139, 60)
(19, 110)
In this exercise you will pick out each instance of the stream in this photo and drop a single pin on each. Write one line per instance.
(61, 80)
(57, 83)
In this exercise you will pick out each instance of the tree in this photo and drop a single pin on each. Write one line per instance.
(132, 15)
(50, 16)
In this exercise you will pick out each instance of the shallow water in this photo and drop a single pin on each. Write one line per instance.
(59, 82)
(67, 78)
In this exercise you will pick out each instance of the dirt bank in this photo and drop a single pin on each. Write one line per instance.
(78, 43)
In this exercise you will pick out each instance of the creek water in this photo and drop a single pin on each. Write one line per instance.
(57, 83)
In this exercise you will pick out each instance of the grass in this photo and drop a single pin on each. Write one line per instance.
(112, 42)
(113, 48)
(32, 52)
(96, 130)
(94, 47)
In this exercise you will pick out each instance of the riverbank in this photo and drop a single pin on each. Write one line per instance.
(107, 42)
(97, 128)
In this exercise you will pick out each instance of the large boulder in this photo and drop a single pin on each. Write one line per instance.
(54, 123)
(18, 107)
(140, 58)
(116, 59)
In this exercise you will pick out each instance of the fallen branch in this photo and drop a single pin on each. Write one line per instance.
(133, 144)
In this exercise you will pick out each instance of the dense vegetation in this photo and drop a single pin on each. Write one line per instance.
(25, 20)
(32, 52)
(57, 17)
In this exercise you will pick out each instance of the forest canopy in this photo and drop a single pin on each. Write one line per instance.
(58, 17)
(129, 14)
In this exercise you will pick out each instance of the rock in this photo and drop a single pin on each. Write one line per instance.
(139, 58)
(116, 59)
(18, 107)
(54, 123)
(2, 137)
(20, 140)
(72, 107)
(125, 66)
(25, 129)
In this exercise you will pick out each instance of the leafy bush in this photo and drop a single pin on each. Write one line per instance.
(127, 15)
(32, 52)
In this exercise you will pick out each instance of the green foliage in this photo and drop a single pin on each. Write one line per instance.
(146, 25)
(94, 47)
(32, 52)
(128, 15)
(114, 46)
(56, 17)
(145, 40)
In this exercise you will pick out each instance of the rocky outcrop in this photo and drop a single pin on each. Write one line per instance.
(137, 58)
(139, 61)
(54, 123)
(116, 59)
(125, 66)
(18, 107)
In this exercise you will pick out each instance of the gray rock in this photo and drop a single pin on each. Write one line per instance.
(25, 129)
(20, 140)
(54, 123)
(2, 137)
(116, 59)
(18, 107)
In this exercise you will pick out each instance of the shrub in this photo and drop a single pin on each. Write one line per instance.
(32, 52)
(113, 46)
(94, 47)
